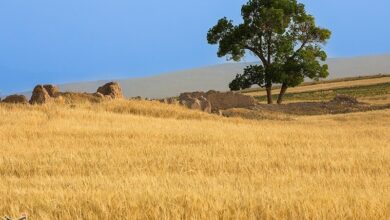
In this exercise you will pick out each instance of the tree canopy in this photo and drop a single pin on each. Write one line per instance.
(282, 35)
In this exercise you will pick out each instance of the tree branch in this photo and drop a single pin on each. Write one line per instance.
(300, 48)
(259, 54)
(303, 43)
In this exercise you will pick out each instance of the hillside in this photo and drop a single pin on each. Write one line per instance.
(124, 159)
(137, 159)
(218, 77)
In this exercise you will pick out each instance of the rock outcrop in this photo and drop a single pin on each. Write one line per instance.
(52, 90)
(213, 101)
(47, 93)
(205, 104)
(228, 100)
(196, 101)
(112, 90)
(40, 95)
(15, 99)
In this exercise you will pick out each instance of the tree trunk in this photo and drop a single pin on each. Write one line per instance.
(269, 94)
(282, 92)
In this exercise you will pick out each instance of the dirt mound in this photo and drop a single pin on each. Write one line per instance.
(52, 90)
(39, 95)
(218, 100)
(111, 89)
(15, 99)
(344, 100)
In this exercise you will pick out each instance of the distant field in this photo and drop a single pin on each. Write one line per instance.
(363, 89)
(328, 84)
(146, 160)
(327, 94)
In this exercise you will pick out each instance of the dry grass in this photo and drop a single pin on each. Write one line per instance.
(255, 114)
(139, 160)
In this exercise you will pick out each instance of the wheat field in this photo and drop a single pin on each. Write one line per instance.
(146, 160)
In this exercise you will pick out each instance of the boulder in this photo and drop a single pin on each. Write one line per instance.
(228, 100)
(200, 103)
(39, 95)
(204, 104)
(190, 95)
(15, 99)
(111, 89)
(52, 90)
(191, 103)
(344, 100)
(214, 101)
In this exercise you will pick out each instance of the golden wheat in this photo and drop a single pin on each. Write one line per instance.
(145, 160)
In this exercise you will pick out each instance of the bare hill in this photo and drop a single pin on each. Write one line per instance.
(217, 77)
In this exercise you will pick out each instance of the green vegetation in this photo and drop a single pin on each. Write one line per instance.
(326, 95)
(282, 35)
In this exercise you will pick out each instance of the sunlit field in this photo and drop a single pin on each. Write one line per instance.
(146, 160)
(369, 89)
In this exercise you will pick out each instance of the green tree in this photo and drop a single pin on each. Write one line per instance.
(282, 35)
(253, 75)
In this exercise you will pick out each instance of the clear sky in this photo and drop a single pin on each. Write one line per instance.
(48, 41)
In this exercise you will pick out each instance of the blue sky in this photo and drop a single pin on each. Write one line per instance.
(46, 41)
